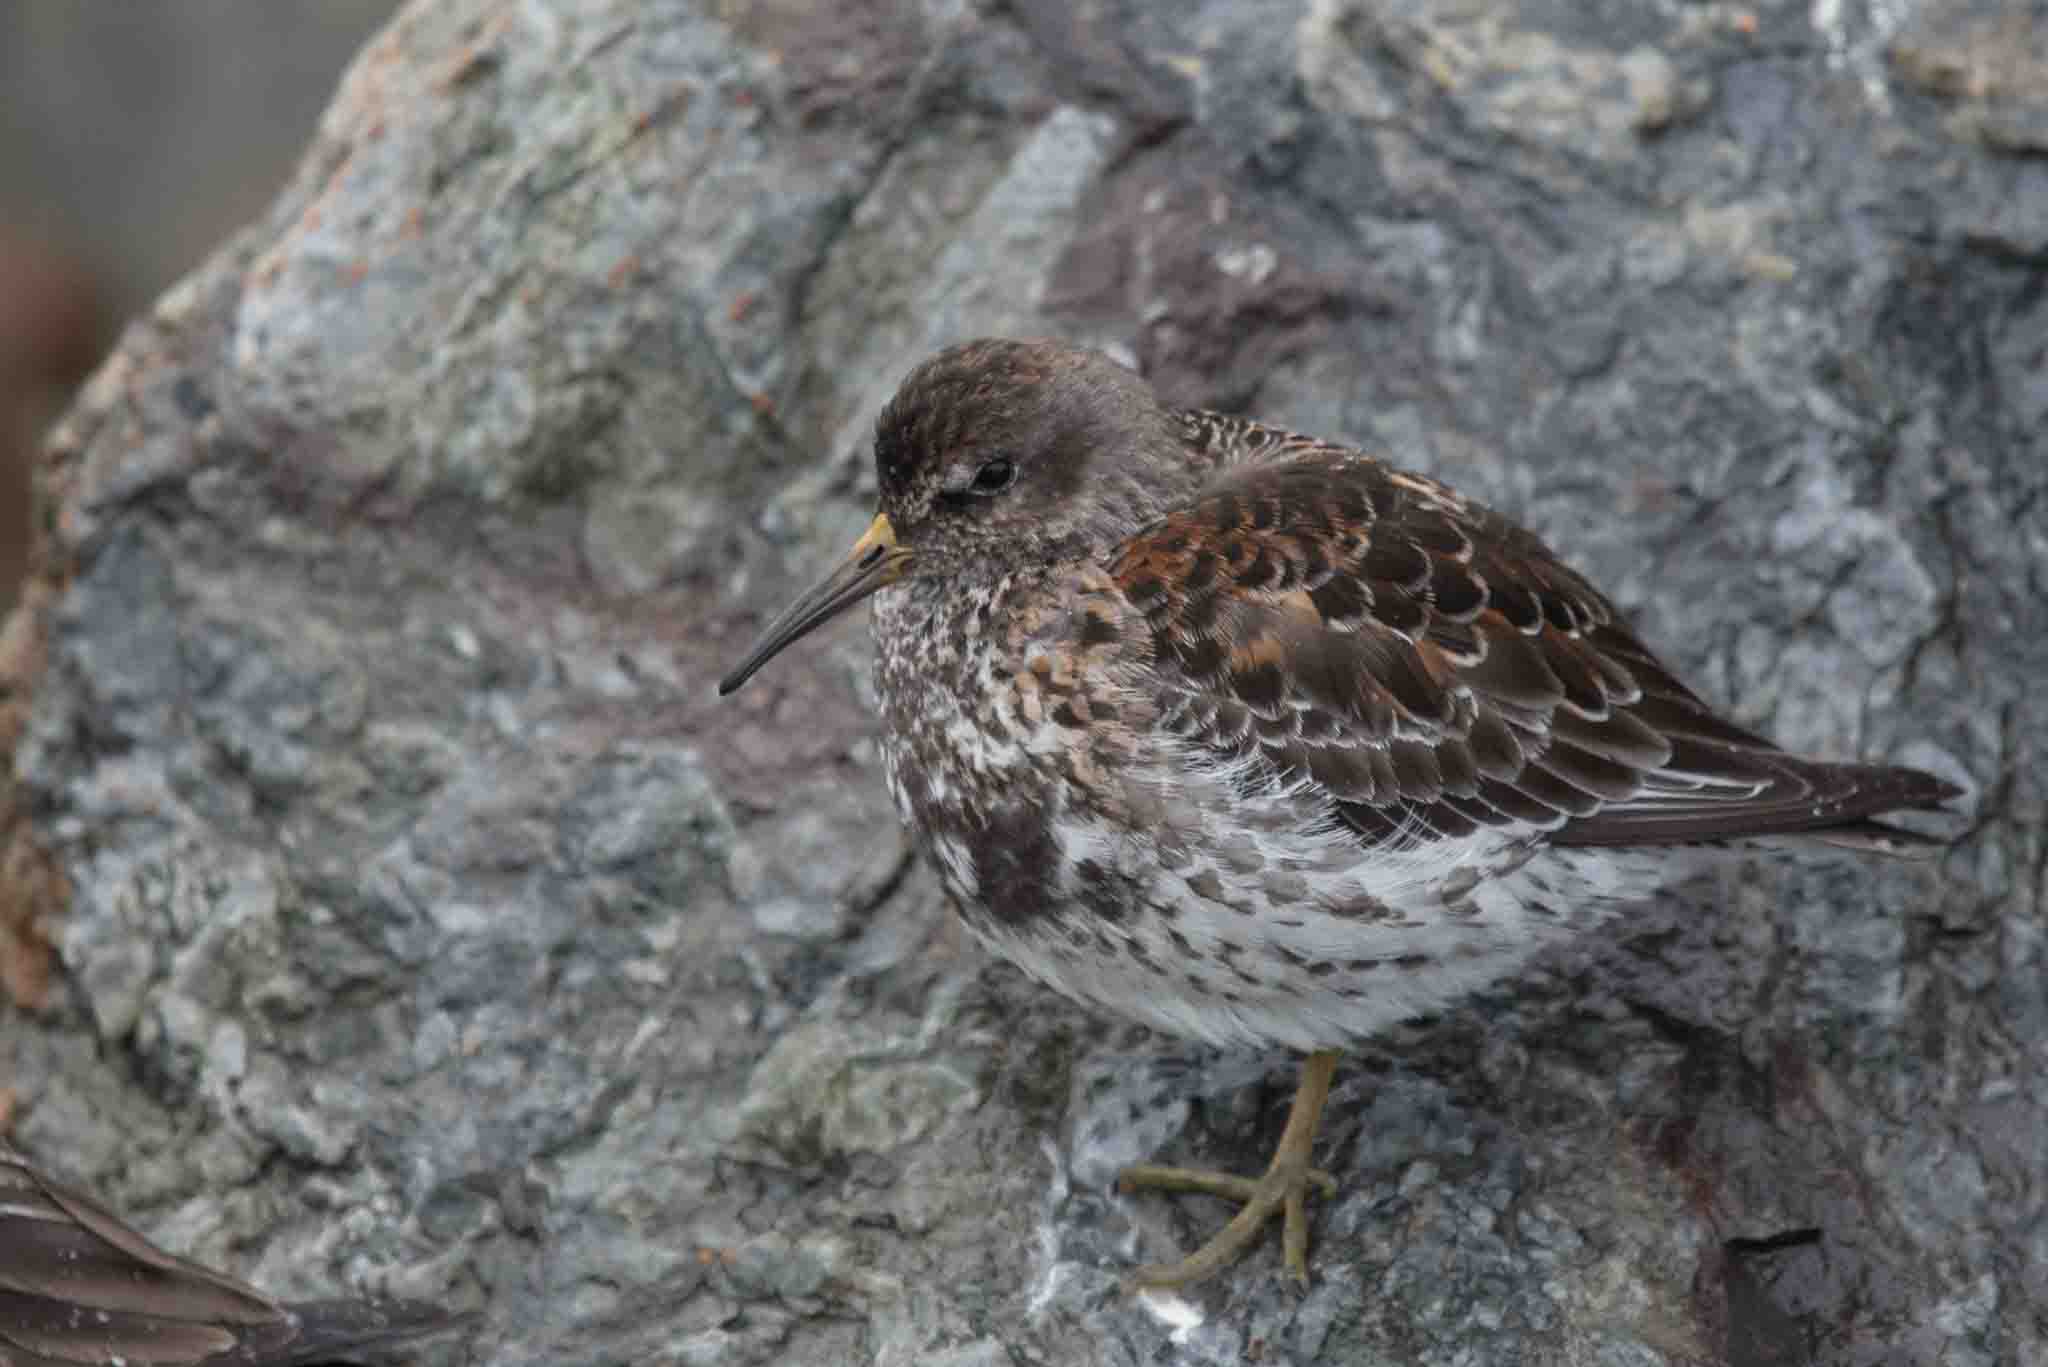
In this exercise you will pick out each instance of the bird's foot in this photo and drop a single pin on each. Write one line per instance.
(1283, 1190)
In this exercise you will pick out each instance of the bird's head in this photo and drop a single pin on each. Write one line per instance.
(995, 455)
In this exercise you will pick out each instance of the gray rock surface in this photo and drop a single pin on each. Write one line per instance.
(434, 931)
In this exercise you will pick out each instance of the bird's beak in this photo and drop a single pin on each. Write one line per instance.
(874, 562)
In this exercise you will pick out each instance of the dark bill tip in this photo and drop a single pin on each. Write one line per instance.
(874, 562)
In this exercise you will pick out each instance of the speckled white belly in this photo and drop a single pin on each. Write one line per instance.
(1278, 925)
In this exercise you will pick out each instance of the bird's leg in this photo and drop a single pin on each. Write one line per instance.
(1282, 1191)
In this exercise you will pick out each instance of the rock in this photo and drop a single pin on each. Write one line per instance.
(433, 929)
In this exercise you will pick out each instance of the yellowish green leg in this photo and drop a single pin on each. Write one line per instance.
(1282, 1191)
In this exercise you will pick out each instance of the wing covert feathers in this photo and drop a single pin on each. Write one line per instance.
(1417, 655)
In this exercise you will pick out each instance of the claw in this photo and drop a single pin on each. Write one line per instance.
(1283, 1191)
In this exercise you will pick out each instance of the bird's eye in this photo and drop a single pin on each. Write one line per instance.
(994, 476)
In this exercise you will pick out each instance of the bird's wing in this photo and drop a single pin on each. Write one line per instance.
(78, 1285)
(1430, 665)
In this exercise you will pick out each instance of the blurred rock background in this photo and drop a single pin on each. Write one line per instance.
(426, 925)
(132, 139)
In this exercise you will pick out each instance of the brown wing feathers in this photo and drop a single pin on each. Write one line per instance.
(77, 1285)
(1416, 654)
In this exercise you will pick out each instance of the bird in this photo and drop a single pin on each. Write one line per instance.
(78, 1285)
(1260, 740)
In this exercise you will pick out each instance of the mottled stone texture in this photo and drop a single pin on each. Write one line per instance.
(427, 927)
